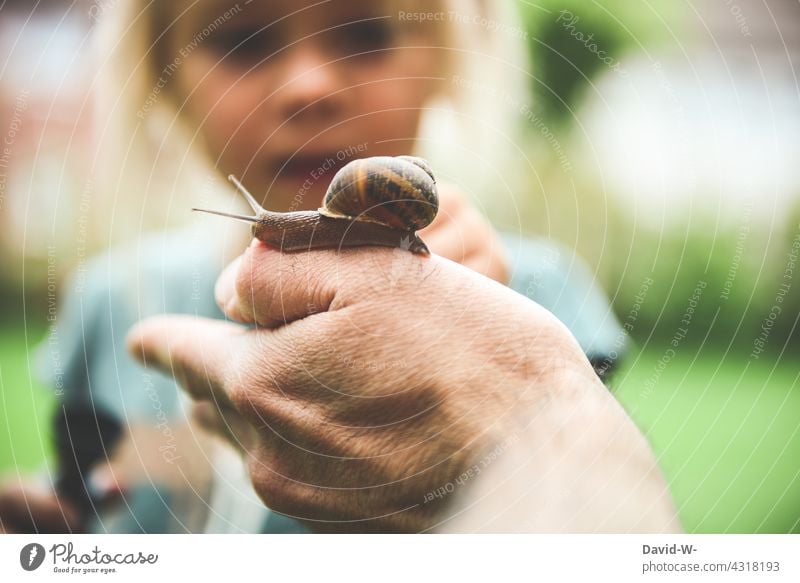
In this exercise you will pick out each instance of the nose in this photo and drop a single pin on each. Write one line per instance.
(310, 86)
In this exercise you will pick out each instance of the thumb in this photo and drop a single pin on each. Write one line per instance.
(197, 352)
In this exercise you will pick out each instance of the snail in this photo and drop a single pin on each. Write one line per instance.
(380, 201)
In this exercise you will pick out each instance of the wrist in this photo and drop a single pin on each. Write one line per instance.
(575, 463)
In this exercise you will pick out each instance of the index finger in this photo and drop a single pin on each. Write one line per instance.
(199, 353)
(273, 288)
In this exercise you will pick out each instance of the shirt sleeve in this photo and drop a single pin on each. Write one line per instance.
(561, 282)
(63, 358)
(84, 360)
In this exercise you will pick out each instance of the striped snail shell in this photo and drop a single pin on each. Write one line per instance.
(378, 201)
(398, 192)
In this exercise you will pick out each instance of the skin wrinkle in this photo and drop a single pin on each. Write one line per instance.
(384, 499)
(280, 493)
(390, 384)
(354, 414)
(222, 422)
(457, 439)
(338, 491)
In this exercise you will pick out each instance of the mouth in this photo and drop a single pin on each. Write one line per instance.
(311, 168)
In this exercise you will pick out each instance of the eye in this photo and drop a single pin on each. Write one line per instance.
(245, 46)
(365, 36)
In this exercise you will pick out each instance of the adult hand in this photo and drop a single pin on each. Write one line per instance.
(374, 378)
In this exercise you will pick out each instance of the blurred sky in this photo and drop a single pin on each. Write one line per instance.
(709, 124)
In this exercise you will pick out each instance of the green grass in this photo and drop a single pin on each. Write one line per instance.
(25, 405)
(726, 430)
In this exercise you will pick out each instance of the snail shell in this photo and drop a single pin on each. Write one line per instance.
(378, 201)
(399, 192)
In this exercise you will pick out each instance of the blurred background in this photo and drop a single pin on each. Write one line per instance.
(666, 141)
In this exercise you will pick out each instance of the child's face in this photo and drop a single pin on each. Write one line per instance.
(275, 108)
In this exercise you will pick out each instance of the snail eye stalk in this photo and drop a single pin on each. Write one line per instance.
(229, 215)
(257, 208)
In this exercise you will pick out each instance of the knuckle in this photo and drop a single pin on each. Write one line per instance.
(240, 399)
(255, 284)
(268, 290)
(256, 385)
(244, 389)
(245, 288)
(278, 491)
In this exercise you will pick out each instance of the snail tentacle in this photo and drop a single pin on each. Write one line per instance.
(374, 201)
(257, 208)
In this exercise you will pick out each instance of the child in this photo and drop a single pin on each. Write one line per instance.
(280, 93)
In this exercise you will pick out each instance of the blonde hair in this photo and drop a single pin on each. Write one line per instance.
(150, 170)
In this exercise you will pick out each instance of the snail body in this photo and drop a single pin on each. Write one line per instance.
(379, 201)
